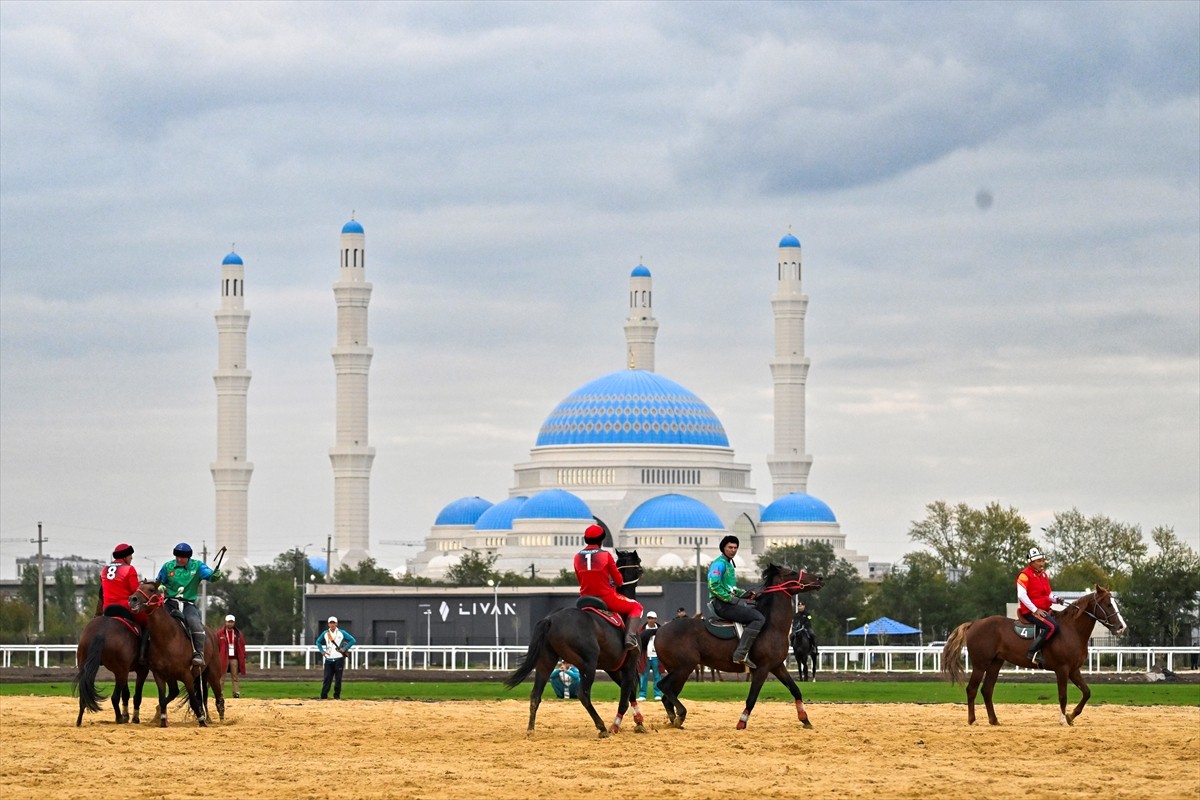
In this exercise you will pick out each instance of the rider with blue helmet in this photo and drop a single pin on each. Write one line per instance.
(180, 580)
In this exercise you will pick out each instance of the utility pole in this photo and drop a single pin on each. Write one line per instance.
(328, 555)
(41, 582)
(532, 572)
(698, 609)
(203, 585)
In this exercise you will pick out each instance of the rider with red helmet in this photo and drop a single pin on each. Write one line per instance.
(598, 576)
(118, 581)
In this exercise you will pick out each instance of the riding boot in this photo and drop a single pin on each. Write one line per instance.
(742, 654)
(143, 645)
(631, 632)
(1035, 648)
(198, 649)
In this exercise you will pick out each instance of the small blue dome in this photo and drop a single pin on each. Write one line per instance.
(674, 511)
(352, 227)
(500, 516)
(789, 241)
(554, 504)
(232, 258)
(463, 511)
(798, 507)
(632, 407)
(640, 271)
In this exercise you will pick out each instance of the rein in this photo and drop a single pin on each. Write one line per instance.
(790, 587)
(1102, 620)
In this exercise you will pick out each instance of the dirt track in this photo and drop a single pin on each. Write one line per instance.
(454, 750)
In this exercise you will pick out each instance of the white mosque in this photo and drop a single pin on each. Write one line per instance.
(633, 449)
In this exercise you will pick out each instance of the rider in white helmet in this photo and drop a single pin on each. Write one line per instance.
(1033, 603)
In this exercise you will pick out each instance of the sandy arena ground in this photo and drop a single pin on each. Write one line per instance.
(464, 750)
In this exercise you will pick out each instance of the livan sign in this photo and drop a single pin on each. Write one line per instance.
(476, 608)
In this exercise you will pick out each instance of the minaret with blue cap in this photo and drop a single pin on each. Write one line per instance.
(231, 472)
(641, 327)
(789, 464)
(351, 456)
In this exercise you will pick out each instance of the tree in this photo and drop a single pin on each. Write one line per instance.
(964, 538)
(266, 599)
(1160, 603)
(366, 573)
(1114, 547)
(473, 569)
(840, 597)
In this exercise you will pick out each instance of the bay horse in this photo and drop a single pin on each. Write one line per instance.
(686, 643)
(804, 648)
(170, 658)
(991, 641)
(109, 642)
(590, 643)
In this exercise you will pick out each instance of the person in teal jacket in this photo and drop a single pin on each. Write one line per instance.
(732, 602)
(180, 581)
(333, 644)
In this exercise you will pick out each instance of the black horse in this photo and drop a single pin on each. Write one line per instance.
(804, 648)
(684, 643)
(587, 641)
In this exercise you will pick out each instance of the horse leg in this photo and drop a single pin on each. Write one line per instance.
(756, 681)
(781, 673)
(972, 688)
(587, 676)
(671, 685)
(1077, 679)
(164, 699)
(989, 683)
(121, 692)
(137, 694)
(815, 656)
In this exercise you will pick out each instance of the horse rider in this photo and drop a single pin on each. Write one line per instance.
(802, 623)
(1033, 603)
(118, 582)
(732, 602)
(598, 576)
(180, 581)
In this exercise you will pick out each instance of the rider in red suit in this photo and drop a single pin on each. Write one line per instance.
(598, 576)
(1033, 603)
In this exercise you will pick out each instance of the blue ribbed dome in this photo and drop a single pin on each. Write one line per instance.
(352, 227)
(798, 507)
(500, 516)
(463, 511)
(674, 511)
(232, 258)
(554, 504)
(789, 241)
(632, 407)
(640, 271)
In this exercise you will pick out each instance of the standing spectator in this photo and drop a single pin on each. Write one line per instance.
(647, 642)
(564, 680)
(681, 613)
(333, 644)
(232, 646)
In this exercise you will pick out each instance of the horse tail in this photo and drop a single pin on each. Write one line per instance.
(952, 653)
(537, 644)
(84, 684)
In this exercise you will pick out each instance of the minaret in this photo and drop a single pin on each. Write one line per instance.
(789, 464)
(350, 454)
(231, 472)
(640, 326)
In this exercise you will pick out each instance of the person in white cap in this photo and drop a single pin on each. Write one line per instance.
(1033, 603)
(333, 644)
(650, 673)
(231, 644)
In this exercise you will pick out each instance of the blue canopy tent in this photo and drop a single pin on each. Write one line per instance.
(884, 626)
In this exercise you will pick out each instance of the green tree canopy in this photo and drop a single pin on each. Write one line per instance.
(473, 569)
(365, 573)
(1160, 605)
(1114, 547)
(918, 594)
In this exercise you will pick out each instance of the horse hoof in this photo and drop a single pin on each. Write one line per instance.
(604, 734)
(640, 728)
(806, 724)
(741, 726)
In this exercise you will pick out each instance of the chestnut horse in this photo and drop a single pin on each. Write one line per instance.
(171, 658)
(682, 644)
(109, 642)
(991, 641)
(590, 643)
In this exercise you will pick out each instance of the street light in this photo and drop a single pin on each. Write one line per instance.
(496, 608)
(303, 592)
(848, 621)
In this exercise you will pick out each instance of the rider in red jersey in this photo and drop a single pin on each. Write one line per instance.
(118, 581)
(1033, 603)
(598, 576)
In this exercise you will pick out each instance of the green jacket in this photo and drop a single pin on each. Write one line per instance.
(183, 583)
(722, 580)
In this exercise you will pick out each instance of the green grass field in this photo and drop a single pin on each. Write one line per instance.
(1149, 694)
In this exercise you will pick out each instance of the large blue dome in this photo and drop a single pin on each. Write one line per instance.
(674, 511)
(798, 507)
(500, 516)
(463, 511)
(352, 226)
(632, 407)
(554, 504)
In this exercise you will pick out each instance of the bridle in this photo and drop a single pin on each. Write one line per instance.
(153, 599)
(1107, 615)
(794, 586)
(637, 576)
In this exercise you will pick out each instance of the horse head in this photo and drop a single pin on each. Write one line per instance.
(786, 579)
(1104, 609)
(630, 565)
(147, 598)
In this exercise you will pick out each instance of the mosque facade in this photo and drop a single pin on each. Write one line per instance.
(651, 461)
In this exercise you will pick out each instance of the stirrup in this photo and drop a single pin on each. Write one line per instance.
(631, 642)
(197, 660)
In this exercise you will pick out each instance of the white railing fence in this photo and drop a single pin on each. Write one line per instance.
(891, 658)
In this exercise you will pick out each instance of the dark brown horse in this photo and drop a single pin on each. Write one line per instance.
(590, 643)
(991, 641)
(109, 642)
(804, 648)
(682, 644)
(171, 659)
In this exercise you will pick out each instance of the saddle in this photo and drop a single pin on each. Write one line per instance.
(125, 616)
(719, 626)
(600, 609)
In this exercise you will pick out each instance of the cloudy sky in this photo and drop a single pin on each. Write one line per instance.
(511, 163)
